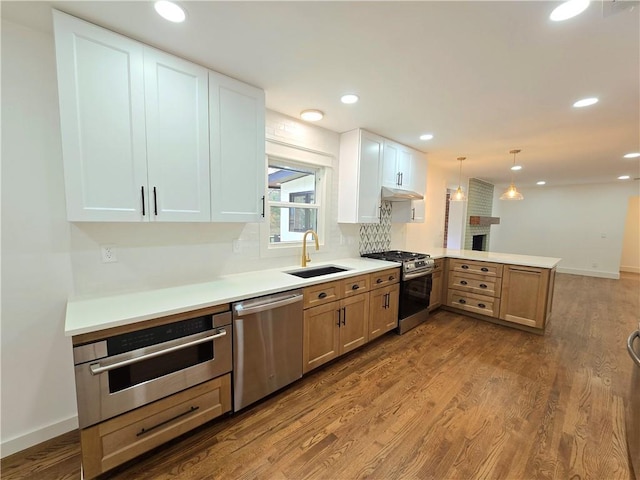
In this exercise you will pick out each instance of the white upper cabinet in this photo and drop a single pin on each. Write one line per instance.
(360, 172)
(136, 129)
(102, 116)
(402, 167)
(412, 211)
(177, 126)
(238, 162)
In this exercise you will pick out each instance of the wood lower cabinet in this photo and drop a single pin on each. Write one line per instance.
(475, 286)
(437, 278)
(334, 328)
(383, 316)
(343, 315)
(525, 295)
(115, 441)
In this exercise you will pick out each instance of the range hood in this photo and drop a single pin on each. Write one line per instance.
(398, 195)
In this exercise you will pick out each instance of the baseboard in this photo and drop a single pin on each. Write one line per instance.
(16, 444)
(630, 269)
(589, 273)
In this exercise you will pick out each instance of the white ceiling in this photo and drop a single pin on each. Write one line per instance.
(483, 77)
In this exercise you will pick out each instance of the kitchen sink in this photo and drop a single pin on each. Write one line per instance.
(317, 271)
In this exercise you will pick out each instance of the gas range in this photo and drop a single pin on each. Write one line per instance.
(412, 263)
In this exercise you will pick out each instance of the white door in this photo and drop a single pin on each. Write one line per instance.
(177, 114)
(371, 151)
(238, 162)
(101, 93)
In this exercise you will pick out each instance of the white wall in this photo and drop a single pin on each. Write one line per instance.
(582, 224)
(422, 237)
(38, 392)
(630, 259)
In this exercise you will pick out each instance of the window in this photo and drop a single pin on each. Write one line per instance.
(293, 201)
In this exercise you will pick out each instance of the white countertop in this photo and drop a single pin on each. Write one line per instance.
(511, 258)
(91, 315)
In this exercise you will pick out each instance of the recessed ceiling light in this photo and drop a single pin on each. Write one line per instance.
(170, 11)
(568, 10)
(632, 155)
(311, 115)
(426, 136)
(349, 98)
(516, 167)
(541, 182)
(624, 177)
(585, 102)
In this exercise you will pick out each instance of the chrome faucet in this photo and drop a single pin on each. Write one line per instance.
(305, 255)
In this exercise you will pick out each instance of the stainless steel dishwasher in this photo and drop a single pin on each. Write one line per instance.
(267, 345)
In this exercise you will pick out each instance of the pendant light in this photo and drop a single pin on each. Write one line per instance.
(459, 195)
(512, 193)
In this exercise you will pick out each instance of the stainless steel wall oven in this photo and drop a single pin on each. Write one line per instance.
(125, 371)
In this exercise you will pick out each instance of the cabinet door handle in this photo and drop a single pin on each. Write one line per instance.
(355, 287)
(338, 312)
(482, 305)
(484, 269)
(263, 206)
(401, 175)
(379, 280)
(465, 267)
(155, 202)
(483, 285)
(462, 301)
(142, 195)
(147, 430)
(398, 178)
(413, 214)
(322, 295)
(344, 315)
(463, 282)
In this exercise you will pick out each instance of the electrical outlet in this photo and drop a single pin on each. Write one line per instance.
(108, 253)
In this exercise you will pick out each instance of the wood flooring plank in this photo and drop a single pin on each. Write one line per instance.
(455, 398)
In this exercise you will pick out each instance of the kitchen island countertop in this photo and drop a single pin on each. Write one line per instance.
(496, 257)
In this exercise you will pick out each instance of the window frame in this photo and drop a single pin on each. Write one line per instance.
(297, 157)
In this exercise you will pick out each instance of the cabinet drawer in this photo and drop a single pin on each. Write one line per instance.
(321, 294)
(355, 285)
(111, 443)
(472, 266)
(386, 277)
(471, 302)
(480, 284)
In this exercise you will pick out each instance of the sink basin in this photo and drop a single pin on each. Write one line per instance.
(317, 271)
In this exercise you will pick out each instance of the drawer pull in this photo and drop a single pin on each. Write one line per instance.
(355, 287)
(466, 267)
(483, 285)
(462, 301)
(484, 269)
(463, 282)
(482, 305)
(391, 278)
(147, 430)
(322, 295)
(379, 280)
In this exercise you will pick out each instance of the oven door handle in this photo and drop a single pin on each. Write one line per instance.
(97, 368)
(411, 276)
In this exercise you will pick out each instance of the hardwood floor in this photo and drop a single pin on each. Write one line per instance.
(455, 398)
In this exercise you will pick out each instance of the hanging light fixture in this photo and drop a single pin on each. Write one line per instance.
(512, 193)
(459, 195)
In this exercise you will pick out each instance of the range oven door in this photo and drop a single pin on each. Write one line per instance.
(415, 290)
(114, 376)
